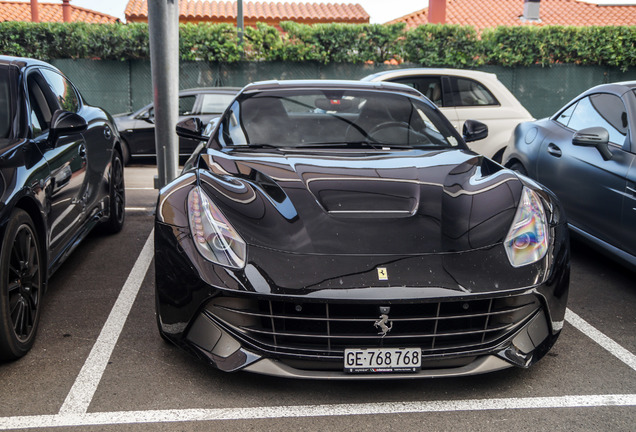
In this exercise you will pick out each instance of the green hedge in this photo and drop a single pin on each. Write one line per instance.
(429, 45)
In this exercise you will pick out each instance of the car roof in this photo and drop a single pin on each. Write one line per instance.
(397, 73)
(330, 84)
(197, 90)
(618, 88)
(22, 62)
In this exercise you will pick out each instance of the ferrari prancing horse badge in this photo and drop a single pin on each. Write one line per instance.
(382, 273)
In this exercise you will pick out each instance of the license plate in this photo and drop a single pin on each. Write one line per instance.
(382, 360)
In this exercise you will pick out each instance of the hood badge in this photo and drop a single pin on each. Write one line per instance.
(383, 274)
(381, 324)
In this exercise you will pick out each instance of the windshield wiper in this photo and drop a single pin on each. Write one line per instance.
(343, 144)
(253, 146)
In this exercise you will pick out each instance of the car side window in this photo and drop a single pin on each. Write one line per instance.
(42, 103)
(230, 130)
(565, 116)
(186, 105)
(215, 103)
(429, 86)
(63, 90)
(5, 105)
(468, 92)
(604, 110)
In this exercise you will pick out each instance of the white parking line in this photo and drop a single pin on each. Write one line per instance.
(612, 347)
(81, 394)
(277, 412)
(139, 208)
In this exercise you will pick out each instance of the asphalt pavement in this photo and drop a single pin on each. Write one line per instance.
(99, 364)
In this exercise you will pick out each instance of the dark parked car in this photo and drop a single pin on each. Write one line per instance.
(138, 129)
(335, 229)
(586, 154)
(61, 174)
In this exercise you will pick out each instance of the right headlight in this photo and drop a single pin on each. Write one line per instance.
(213, 235)
(528, 238)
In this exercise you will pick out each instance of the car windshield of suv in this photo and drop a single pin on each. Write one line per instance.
(333, 118)
(5, 104)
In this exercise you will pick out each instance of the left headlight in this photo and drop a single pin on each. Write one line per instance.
(528, 238)
(213, 235)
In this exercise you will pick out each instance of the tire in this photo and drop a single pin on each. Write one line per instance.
(117, 196)
(125, 150)
(22, 285)
(517, 166)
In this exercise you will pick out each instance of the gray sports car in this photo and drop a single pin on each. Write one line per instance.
(586, 154)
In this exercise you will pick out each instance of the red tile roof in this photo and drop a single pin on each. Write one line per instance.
(50, 12)
(225, 11)
(491, 13)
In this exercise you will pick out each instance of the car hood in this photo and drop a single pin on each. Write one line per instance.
(391, 202)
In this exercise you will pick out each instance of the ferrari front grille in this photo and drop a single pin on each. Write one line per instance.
(326, 329)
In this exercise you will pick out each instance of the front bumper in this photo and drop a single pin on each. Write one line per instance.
(471, 320)
(210, 341)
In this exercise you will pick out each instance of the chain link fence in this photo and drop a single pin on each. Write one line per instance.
(127, 86)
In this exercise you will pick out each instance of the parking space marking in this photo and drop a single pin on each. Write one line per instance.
(608, 344)
(277, 412)
(81, 394)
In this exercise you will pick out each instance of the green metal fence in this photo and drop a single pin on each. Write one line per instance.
(127, 86)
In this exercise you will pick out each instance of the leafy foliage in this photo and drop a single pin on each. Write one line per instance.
(526, 45)
(437, 45)
(428, 45)
(209, 42)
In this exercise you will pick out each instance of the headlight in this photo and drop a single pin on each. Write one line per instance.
(527, 240)
(212, 234)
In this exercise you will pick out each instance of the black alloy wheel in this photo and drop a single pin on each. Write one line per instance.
(117, 194)
(21, 284)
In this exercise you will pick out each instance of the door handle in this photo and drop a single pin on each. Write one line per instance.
(82, 151)
(554, 150)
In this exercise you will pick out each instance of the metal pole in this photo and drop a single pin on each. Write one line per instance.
(240, 25)
(163, 27)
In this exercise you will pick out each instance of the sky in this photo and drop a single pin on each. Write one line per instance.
(380, 11)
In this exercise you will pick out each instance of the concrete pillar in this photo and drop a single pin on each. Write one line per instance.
(437, 11)
(35, 11)
(66, 10)
(531, 10)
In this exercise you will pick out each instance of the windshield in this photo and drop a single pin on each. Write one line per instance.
(333, 118)
(5, 103)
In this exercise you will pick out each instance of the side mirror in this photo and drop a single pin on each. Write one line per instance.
(64, 122)
(594, 137)
(148, 116)
(192, 128)
(474, 130)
